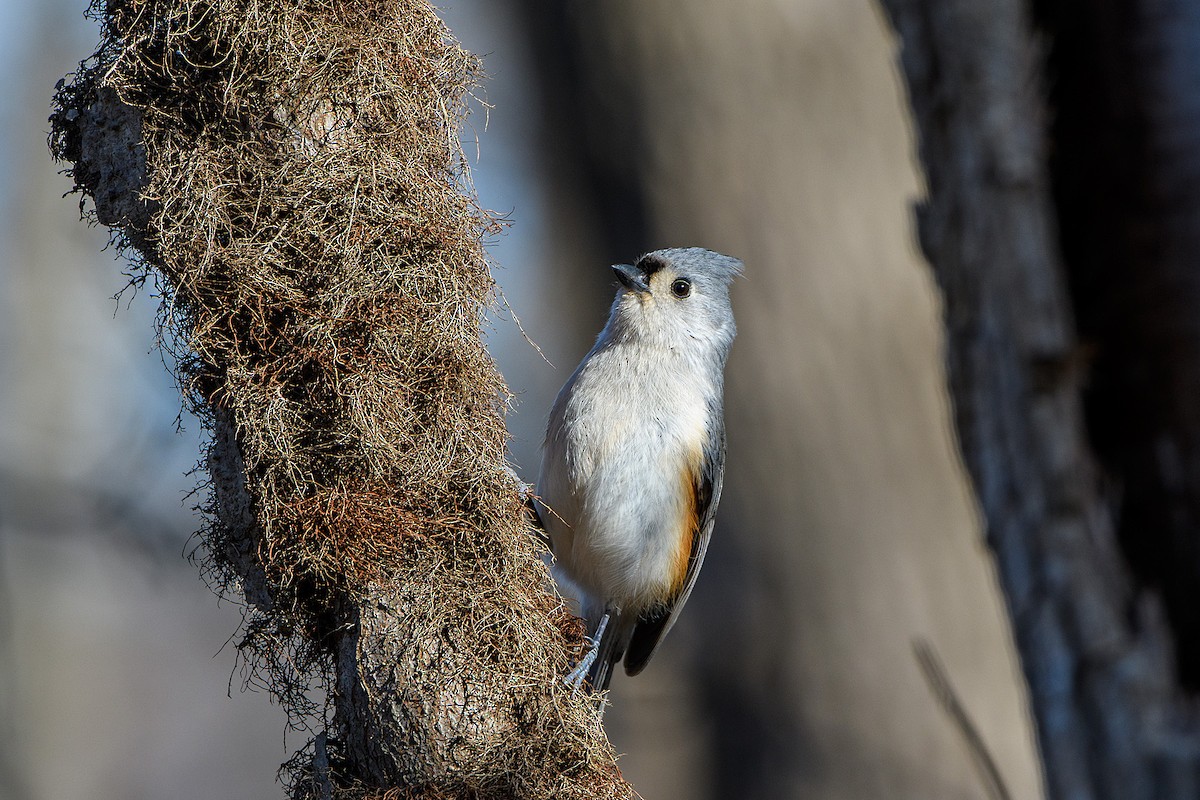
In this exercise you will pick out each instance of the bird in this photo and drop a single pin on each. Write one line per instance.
(634, 456)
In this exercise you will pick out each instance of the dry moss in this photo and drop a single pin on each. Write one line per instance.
(289, 175)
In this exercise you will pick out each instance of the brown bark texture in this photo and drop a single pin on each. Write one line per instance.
(289, 176)
(1111, 719)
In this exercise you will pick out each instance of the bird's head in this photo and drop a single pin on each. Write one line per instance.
(677, 296)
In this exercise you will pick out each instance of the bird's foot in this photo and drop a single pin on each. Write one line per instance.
(577, 676)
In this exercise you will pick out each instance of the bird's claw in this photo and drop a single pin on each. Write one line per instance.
(576, 677)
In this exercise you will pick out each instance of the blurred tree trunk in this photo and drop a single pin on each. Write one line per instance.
(1125, 80)
(776, 132)
(1098, 653)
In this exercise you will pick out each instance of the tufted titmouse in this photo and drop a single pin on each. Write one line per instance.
(635, 453)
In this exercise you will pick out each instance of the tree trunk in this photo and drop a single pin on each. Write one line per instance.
(1127, 189)
(1098, 656)
(290, 178)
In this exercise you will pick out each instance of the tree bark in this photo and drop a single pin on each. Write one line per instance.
(1111, 720)
(1125, 172)
(291, 178)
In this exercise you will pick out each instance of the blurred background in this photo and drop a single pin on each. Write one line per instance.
(773, 130)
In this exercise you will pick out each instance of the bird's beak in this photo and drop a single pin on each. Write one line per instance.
(631, 278)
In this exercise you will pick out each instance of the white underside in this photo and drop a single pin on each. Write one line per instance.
(614, 478)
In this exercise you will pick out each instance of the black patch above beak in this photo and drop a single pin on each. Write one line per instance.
(631, 278)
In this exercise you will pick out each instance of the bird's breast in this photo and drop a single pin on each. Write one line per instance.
(633, 444)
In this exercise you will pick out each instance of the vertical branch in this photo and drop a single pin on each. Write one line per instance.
(290, 176)
(1110, 721)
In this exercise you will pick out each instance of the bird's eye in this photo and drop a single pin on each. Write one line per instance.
(681, 288)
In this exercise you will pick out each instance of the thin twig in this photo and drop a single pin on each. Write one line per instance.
(939, 684)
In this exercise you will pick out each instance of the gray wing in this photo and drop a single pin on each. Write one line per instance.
(652, 627)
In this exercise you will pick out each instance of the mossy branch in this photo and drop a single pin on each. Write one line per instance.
(289, 174)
